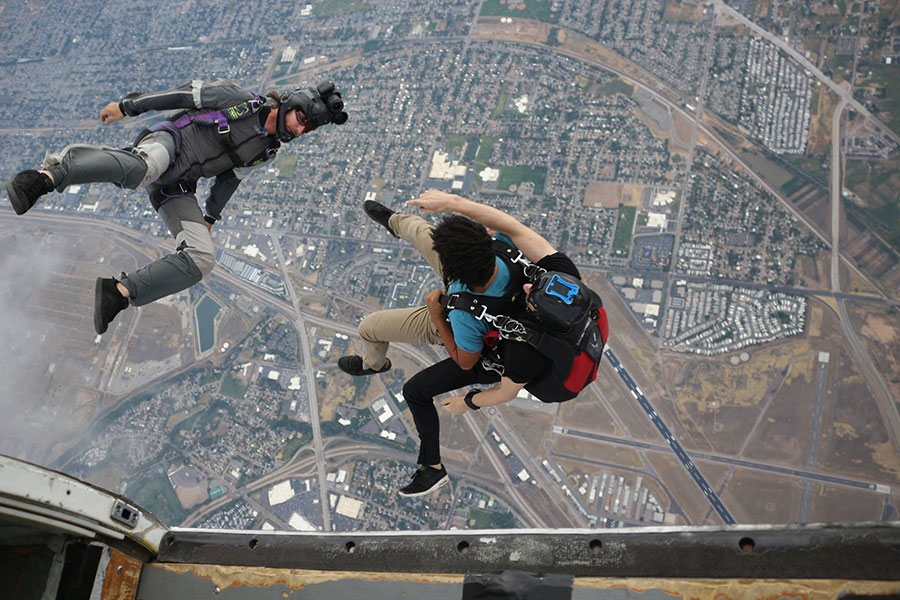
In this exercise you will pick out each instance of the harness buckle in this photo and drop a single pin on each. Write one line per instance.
(483, 313)
(224, 130)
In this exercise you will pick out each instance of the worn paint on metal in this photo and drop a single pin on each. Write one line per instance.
(122, 576)
(224, 577)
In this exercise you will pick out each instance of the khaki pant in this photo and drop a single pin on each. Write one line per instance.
(410, 325)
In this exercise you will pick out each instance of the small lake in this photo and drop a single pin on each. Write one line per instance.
(206, 314)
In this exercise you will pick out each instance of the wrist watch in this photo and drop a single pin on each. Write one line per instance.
(209, 219)
(468, 399)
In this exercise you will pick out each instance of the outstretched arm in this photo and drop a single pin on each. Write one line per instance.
(506, 391)
(197, 94)
(532, 244)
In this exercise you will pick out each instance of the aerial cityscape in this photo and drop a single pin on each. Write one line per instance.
(724, 174)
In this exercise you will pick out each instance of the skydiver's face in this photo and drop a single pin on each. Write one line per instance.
(295, 122)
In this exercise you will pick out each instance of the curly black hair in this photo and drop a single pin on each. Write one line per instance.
(465, 249)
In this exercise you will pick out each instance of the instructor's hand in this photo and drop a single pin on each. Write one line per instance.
(111, 113)
(435, 201)
(456, 405)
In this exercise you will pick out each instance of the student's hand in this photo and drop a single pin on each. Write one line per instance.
(208, 225)
(435, 201)
(433, 302)
(111, 113)
(455, 405)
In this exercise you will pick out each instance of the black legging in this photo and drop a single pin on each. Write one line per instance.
(419, 393)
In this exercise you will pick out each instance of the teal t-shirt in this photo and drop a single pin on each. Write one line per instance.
(468, 332)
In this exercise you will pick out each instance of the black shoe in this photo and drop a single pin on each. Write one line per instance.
(379, 213)
(108, 302)
(25, 188)
(425, 481)
(353, 365)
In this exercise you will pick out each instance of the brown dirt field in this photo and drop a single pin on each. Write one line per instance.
(714, 401)
(820, 122)
(757, 497)
(532, 428)
(857, 443)
(455, 434)
(587, 413)
(684, 128)
(783, 432)
(834, 504)
(158, 333)
(851, 281)
(811, 271)
(597, 450)
(677, 12)
(603, 193)
(680, 485)
(814, 324)
(525, 30)
(632, 194)
(879, 329)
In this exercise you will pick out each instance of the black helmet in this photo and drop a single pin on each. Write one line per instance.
(320, 105)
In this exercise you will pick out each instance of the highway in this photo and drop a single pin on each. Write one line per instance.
(657, 421)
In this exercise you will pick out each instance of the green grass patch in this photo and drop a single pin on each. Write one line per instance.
(286, 163)
(155, 493)
(615, 86)
(471, 148)
(539, 10)
(291, 447)
(877, 185)
(886, 77)
(810, 166)
(454, 143)
(501, 100)
(479, 519)
(232, 388)
(485, 149)
(510, 176)
(331, 8)
(624, 227)
(793, 185)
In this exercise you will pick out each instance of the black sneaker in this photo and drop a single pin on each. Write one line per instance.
(25, 188)
(353, 365)
(379, 213)
(108, 302)
(425, 480)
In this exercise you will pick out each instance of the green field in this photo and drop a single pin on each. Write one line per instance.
(155, 493)
(331, 8)
(539, 10)
(454, 142)
(792, 185)
(484, 519)
(615, 86)
(886, 76)
(231, 387)
(286, 163)
(517, 175)
(624, 228)
(877, 183)
(485, 149)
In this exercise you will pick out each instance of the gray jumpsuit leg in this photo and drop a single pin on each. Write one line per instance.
(194, 256)
(193, 259)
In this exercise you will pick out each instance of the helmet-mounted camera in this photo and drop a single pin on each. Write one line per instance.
(320, 105)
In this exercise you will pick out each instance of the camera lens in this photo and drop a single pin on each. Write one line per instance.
(335, 104)
(339, 119)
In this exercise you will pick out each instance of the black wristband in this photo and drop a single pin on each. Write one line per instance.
(468, 399)
(122, 107)
(209, 219)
